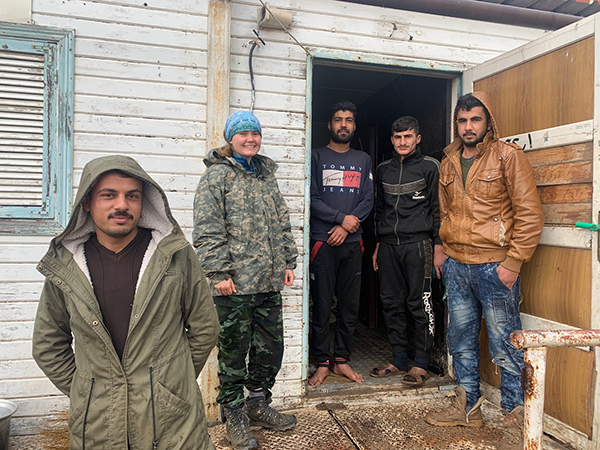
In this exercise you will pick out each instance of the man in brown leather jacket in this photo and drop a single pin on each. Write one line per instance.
(491, 222)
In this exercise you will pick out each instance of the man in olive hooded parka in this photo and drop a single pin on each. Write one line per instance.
(149, 398)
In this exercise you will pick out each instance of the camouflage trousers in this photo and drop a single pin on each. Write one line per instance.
(251, 325)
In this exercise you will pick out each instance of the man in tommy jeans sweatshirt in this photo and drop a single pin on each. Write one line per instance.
(341, 198)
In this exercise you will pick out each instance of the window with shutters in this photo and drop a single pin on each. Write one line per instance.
(36, 128)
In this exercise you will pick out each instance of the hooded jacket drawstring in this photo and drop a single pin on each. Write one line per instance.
(154, 441)
(87, 408)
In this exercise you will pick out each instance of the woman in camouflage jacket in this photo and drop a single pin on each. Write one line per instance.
(243, 237)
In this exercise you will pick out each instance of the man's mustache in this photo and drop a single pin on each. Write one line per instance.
(120, 214)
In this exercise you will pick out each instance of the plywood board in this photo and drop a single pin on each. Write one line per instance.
(549, 91)
(556, 285)
(558, 155)
(567, 173)
(566, 193)
(567, 213)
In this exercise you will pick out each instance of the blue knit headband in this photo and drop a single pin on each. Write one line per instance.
(241, 121)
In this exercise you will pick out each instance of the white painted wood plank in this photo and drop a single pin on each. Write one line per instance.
(269, 66)
(14, 350)
(330, 9)
(291, 187)
(273, 84)
(11, 311)
(283, 138)
(190, 6)
(154, 163)
(16, 331)
(289, 372)
(119, 32)
(19, 272)
(20, 291)
(41, 406)
(139, 126)
(113, 12)
(19, 369)
(149, 72)
(382, 27)
(140, 53)
(133, 145)
(268, 101)
(35, 387)
(140, 89)
(151, 109)
(568, 237)
(21, 252)
(570, 134)
(283, 154)
(281, 119)
(293, 171)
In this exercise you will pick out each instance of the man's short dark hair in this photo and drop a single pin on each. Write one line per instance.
(405, 123)
(343, 106)
(468, 101)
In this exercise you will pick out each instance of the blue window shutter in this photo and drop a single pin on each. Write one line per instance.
(36, 128)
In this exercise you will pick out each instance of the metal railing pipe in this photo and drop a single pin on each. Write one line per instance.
(535, 343)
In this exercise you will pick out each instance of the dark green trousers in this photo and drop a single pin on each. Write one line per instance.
(251, 325)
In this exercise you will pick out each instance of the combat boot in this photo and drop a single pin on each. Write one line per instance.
(512, 425)
(455, 415)
(263, 416)
(237, 428)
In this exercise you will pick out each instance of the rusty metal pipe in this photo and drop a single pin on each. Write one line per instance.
(555, 338)
(534, 384)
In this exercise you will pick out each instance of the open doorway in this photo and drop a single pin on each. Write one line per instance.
(381, 95)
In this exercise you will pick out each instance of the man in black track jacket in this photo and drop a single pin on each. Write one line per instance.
(407, 223)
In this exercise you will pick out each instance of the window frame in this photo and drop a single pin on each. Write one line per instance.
(57, 46)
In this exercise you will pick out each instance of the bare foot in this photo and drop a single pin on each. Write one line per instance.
(319, 376)
(346, 371)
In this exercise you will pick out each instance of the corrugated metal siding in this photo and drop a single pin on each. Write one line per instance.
(21, 128)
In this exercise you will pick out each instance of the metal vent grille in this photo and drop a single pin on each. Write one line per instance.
(21, 128)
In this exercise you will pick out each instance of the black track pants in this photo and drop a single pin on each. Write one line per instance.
(405, 288)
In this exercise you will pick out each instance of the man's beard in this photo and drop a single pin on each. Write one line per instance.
(474, 143)
(339, 140)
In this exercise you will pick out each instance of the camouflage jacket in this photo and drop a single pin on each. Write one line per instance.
(241, 225)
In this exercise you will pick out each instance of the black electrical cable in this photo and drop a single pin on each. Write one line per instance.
(254, 44)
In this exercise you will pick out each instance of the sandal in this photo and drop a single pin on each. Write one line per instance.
(387, 370)
(415, 376)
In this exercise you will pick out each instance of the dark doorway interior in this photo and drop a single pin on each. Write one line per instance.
(381, 96)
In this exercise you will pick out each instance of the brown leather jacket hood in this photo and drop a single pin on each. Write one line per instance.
(497, 215)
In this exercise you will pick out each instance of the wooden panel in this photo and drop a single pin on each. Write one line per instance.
(564, 178)
(556, 155)
(567, 213)
(575, 172)
(566, 193)
(556, 285)
(544, 101)
(569, 375)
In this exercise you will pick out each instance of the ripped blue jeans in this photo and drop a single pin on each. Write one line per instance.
(473, 289)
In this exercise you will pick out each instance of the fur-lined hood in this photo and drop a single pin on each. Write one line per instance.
(155, 215)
